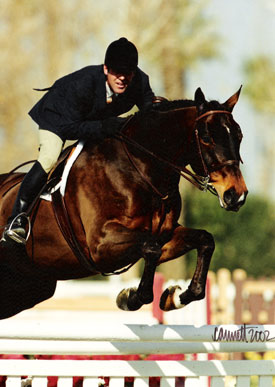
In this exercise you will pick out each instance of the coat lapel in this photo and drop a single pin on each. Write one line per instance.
(100, 92)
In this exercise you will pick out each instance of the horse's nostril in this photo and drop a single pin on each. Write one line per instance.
(230, 196)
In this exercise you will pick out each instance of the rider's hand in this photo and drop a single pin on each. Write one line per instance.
(112, 125)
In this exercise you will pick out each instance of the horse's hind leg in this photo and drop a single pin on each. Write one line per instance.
(134, 298)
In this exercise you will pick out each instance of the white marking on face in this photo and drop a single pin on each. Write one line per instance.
(227, 128)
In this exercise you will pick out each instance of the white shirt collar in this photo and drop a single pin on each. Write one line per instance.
(109, 91)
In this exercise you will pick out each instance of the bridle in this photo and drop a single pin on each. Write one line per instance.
(214, 167)
(201, 182)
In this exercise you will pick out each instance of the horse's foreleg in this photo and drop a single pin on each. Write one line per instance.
(184, 240)
(134, 298)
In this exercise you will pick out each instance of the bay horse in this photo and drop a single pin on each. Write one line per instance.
(123, 203)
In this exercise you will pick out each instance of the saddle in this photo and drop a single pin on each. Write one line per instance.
(55, 191)
(59, 206)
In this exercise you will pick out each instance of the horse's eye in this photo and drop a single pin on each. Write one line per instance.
(206, 139)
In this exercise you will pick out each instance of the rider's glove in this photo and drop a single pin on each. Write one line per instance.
(112, 125)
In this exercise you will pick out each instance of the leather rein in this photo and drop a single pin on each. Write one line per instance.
(201, 182)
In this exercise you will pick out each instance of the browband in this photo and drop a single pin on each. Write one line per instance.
(213, 112)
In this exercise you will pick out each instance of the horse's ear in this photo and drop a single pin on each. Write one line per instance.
(231, 102)
(199, 99)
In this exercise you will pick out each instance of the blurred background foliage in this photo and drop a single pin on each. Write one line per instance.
(44, 40)
(244, 239)
(260, 72)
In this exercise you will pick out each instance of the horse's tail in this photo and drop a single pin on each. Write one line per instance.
(3, 177)
(8, 181)
(11, 178)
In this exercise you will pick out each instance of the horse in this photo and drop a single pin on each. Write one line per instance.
(122, 204)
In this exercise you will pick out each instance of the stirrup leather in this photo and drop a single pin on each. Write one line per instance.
(13, 234)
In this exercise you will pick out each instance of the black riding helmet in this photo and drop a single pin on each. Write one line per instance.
(121, 56)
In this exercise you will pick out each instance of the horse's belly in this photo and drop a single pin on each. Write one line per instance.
(117, 246)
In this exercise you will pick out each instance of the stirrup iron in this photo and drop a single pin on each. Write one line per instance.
(13, 235)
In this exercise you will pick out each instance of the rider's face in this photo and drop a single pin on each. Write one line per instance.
(118, 82)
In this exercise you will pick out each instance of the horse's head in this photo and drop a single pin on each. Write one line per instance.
(218, 138)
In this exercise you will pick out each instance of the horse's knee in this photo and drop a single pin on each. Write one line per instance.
(206, 240)
(151, 250)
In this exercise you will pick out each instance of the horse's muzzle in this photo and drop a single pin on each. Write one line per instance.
(232, 200)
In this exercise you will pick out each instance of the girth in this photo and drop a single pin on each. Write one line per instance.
(63, 220)
(64, 223)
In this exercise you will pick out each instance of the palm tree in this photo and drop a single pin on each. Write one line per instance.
(173, 36)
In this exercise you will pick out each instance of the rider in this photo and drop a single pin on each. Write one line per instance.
(84, 104)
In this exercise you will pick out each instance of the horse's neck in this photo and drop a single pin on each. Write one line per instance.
(170, 134)
(185, 121)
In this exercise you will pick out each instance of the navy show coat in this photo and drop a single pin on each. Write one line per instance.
(75, 105)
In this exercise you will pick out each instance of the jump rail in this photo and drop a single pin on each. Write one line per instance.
(87, 339)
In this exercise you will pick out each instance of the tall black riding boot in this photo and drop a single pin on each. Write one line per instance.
(30, 187)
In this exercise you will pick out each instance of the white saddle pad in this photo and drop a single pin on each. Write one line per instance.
(61, 185)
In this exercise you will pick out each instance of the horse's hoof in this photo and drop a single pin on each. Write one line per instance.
(170, 299)
(122, 299)
(127, 299)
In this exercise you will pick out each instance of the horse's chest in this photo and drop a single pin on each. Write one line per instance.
(155, 222)
(162, 221)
